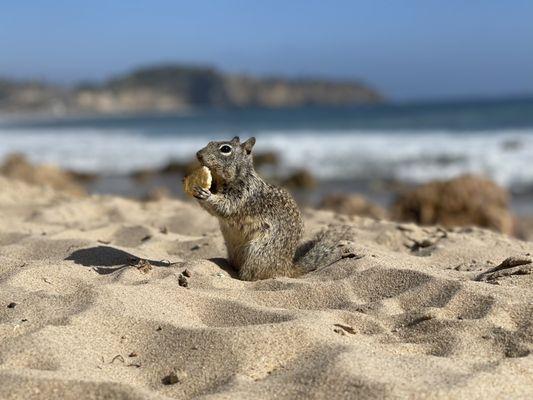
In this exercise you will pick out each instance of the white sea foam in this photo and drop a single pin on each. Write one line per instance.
(421, 156)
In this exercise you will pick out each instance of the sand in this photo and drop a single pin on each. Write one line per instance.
(416, 316)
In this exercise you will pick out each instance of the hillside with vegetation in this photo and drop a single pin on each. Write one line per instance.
(176, 87)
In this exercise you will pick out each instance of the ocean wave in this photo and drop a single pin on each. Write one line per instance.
(351, 154)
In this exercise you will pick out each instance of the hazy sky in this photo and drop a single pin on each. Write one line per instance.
(407, 49)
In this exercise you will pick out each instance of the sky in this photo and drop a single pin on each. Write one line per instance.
(409, 50)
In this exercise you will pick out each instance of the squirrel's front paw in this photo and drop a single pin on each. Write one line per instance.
(200, 193)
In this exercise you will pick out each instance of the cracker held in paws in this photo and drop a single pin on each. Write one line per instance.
(200, 177)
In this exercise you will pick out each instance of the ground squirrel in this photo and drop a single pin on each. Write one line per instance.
(261, 223)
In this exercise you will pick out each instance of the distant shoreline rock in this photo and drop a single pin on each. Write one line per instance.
(177, 88)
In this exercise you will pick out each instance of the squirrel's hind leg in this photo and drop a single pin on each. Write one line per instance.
(257, 268)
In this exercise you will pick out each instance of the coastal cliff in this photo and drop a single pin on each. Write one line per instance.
(175, 88)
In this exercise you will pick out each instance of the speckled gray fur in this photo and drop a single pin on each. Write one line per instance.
(261, 223)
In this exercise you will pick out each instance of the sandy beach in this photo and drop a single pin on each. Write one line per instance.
(104, 297)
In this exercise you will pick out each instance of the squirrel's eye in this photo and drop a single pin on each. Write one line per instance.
(225, 149)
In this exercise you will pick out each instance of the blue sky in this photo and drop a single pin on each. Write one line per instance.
(407, 49)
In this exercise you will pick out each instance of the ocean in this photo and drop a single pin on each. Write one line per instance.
(346, 148)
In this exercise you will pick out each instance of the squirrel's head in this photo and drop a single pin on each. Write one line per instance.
(228, 160)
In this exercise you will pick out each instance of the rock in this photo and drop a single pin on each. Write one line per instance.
(16, 166)
(83, 177)
(180, 168)
(512, 144)
(171, 168)
(144, 266)
(266, 158)
(143, 175)
(182, 281)
(301, 179)
(464, 201)
(352, 205)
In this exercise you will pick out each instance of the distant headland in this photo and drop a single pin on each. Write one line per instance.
(167, 88)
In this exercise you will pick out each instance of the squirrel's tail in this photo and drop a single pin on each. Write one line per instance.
(327, 247)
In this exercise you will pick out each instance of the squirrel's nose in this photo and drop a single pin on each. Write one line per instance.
(199, 156)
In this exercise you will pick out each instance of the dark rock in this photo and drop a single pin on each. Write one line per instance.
(144, 266)
(301, 179)
(180, 168)
(512, 144)
(171, 168)
(182, 281)
(266, 158)
(82, 177)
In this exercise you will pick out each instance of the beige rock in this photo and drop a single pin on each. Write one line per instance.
(352, 205)
(16, 166)
(463, 201)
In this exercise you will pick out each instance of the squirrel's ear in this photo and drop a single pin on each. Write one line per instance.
(248, 145)
(235, 140)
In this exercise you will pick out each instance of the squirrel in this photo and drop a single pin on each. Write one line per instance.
(261, 223)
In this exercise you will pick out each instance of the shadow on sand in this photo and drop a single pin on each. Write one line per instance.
(106, 260)
(225, 265)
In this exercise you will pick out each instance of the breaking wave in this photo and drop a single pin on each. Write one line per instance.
(411, 156)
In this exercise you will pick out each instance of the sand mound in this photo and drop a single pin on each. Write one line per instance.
(421, 315)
